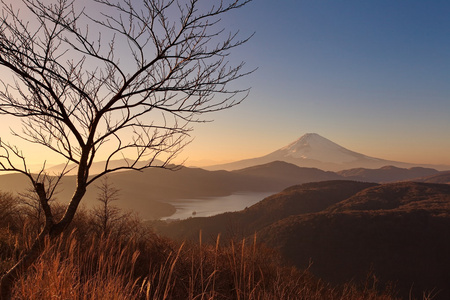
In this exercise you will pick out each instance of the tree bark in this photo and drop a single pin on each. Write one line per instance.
(11, 276)
(50, 231)
(144, 106)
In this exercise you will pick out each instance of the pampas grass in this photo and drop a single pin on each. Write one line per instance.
(100, 268)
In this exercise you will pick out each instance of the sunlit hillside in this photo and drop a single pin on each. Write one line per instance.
(343, 230)
(127, 260)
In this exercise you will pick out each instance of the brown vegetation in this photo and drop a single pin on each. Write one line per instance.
(296, 200)
(387, 173)
(149, 192)
(125, 84)
(442, 177)
(137, 264)
(398, 231)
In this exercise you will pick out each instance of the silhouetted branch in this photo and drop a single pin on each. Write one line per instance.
(125, 80)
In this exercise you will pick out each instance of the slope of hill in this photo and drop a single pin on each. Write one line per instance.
(146, 192)
(442, 177)
(285, 174)
(151, 191)
(404, 196)
(398, 231)
(386, 173)
(98, 167)
(299, 199)
(408, 248)
(314, 151)
(280, 171)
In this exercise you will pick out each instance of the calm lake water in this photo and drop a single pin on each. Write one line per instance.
(206, 207)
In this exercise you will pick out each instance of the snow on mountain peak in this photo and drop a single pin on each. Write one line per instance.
(315, 147)
(314, 151)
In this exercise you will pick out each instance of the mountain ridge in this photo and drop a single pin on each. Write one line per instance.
(314, 151)
(343, 230)
(150, 192)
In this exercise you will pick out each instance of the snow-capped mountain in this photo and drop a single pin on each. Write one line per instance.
(312, 146)
(314, 151)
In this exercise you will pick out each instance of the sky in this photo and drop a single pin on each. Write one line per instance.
(372, 76)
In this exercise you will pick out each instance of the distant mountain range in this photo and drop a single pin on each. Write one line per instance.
(98, 167)
(150, 192)
(314, 151)
(347, 223)
(441, 177)
(343, 230)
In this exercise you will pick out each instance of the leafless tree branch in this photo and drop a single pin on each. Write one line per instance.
(126, 80)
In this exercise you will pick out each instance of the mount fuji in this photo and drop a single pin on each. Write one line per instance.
(314, 151)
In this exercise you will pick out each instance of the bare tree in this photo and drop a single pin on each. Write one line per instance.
(32, 209)
(122, 81)
(106, 215)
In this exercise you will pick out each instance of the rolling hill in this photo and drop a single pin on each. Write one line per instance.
(150, 192)
(299, 199)
(387, 173)
(442, 177)
(398, 231)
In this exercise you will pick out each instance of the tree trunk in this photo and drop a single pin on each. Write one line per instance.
(10, 277)
(50, 231)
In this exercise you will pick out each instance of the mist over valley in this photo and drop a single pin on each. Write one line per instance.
(384, 220)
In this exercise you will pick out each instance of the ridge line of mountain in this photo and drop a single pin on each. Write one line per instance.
(313, 150)
(151, 191)
(342, 230)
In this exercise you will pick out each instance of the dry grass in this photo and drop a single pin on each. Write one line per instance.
(131, 262)
(97, 268)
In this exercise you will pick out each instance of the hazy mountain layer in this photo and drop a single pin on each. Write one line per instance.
(314, 151)
(387, 173)
(442, 177)
(149, 191)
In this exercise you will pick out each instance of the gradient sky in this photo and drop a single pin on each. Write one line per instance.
(372, 76)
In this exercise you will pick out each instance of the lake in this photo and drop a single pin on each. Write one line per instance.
(210, 206)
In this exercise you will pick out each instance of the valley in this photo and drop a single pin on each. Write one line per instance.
(150, 193)
(344, 230)
(342, 225)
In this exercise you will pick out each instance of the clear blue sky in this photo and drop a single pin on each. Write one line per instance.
(373, 76)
